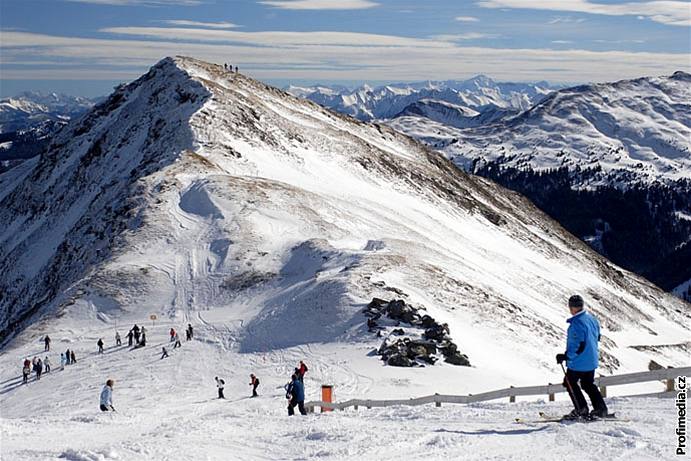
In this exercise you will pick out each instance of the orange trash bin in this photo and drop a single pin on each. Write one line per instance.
(327, 396)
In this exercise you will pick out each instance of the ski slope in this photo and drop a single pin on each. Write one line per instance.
(167, 408)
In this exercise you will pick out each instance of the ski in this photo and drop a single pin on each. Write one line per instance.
(545, 418)
(610, 416)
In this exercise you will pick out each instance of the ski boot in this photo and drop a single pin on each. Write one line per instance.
(576, 415)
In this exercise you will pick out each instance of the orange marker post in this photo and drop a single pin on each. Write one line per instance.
(327, 396)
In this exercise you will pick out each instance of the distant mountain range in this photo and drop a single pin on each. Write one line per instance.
(28, 120)
(610, 161)
(472, 96)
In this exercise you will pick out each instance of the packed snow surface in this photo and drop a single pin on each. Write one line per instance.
(167, 408)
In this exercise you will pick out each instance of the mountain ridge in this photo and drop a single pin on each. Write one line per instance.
(195, 189)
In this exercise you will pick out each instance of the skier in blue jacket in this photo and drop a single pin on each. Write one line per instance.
(295, 392)
(581, 358)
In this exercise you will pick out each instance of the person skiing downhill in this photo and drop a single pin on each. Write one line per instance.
(100, 345)
(295, 392)
(581, 359)
(220, 384)
(107, 396)
(46, 342)
(254, 382)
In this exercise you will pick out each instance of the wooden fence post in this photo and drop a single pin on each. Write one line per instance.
(551, 397)
(603, 391)
(670, 385)
(355, 406)
(512, 398)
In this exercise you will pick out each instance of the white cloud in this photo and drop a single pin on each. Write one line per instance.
(619, 42)
(671, 12)
(562, 42)
(466, 19)
(565, 20)
(347, 56)
(206, 25)
(141, 2)
(465, 36)
(321, 4)
(276, 38)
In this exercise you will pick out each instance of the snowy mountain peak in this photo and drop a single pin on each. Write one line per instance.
(633, 130)
(195, 189)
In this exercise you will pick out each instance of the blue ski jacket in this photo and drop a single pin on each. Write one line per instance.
(582, 342)
(297, 389)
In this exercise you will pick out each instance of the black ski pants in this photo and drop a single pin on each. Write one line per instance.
(587, 383)
(293, 403)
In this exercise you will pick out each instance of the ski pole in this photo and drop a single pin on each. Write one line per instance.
(570, 389)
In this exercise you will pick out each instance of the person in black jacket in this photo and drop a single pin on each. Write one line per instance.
(100, 345)
(295, 393)
(254, 382)
(220, 384)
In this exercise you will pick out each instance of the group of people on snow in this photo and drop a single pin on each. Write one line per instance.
(581, 357)
(40, 366)
(229, 67)
(36, 365)
(136, 336)
(295, 389)
(220, 385)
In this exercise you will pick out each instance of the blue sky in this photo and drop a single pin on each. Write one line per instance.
(86, 46)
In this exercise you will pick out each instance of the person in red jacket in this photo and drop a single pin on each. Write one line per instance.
(302, 369)
(26, 371)
(172, 335)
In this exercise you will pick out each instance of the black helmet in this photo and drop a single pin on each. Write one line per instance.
(576, 301)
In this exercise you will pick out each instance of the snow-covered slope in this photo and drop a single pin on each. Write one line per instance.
(268, 222)
(477, 94)
(633, 130)
(167, 408)
(192, 189)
